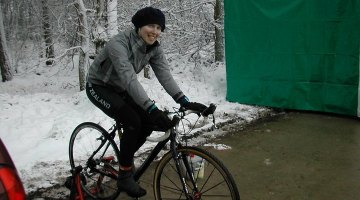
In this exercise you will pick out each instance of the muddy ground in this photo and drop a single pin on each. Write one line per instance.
(292, 155)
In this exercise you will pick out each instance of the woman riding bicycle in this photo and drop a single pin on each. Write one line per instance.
(112, 85)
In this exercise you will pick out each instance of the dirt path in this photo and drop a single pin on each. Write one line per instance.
(300, 156)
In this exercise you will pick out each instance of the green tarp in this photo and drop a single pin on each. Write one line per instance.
(294, 54)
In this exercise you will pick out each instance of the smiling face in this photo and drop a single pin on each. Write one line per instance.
(150, 33)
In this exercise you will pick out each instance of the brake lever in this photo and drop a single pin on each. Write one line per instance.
(214, 123)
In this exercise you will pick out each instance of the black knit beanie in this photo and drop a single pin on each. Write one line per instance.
(148, 15)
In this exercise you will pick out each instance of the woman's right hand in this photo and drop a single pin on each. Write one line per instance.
(161, 121)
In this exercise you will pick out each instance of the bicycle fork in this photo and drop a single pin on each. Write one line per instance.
(179, 160)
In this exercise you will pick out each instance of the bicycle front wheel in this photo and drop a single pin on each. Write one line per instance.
(206, 177)
(92, 148)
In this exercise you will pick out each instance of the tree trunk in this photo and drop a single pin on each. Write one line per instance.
(82, 69)
(98, 34)
(84, 43)
(106, 22)
(112, 28)
(6, 73)
(219, 31)
(47, 33)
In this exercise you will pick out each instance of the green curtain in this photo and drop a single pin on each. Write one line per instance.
(294, 54)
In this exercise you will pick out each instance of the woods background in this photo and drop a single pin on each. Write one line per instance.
(68, 33)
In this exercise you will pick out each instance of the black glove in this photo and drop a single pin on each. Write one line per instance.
(195, 106)
(185, 103)
(160, 120)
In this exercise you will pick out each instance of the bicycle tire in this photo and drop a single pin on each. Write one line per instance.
(92, 148)
(213, 179)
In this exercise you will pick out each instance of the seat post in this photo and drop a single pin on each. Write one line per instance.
(120, 130)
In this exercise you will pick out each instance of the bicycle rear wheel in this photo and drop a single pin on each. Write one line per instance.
(213, 180)
(92, 148)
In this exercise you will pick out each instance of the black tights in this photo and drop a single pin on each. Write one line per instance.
(122, 108)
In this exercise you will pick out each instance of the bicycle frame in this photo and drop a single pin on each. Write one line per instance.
(112, 171)
(180, 160)
(140, 171)
(174, 145)
(76, 192)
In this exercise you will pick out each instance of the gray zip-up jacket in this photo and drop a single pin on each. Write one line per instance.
(124, 56)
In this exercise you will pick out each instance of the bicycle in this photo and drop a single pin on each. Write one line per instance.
(184, 172)
(74, 184)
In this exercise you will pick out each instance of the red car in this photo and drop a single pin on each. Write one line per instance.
(11, 187)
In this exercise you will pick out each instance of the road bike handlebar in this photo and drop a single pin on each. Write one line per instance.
(205, 113)
(176, 119)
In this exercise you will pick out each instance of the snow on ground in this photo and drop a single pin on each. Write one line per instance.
(40, 108)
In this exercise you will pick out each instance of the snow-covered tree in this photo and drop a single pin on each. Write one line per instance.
(83, 52)
(48, 37)
(219, 30)
(6, 73)
(105, 23)
(194, 29)
(112, 14)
